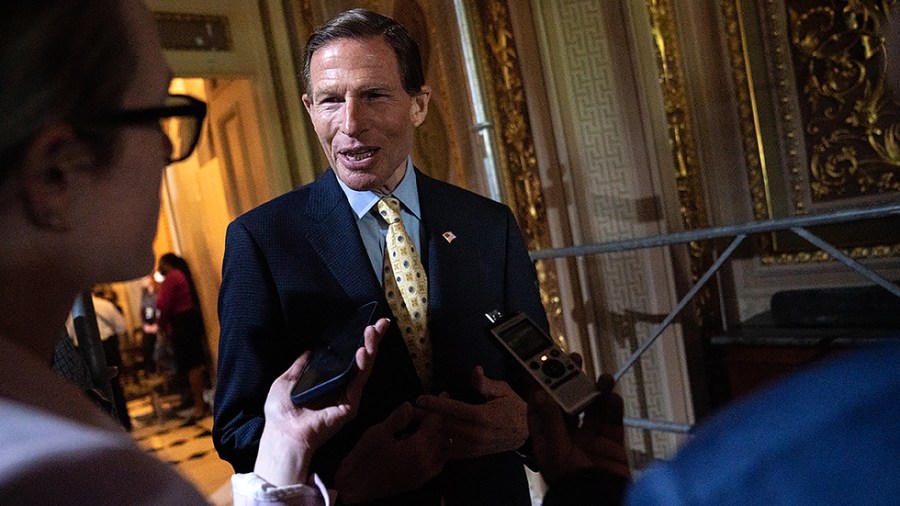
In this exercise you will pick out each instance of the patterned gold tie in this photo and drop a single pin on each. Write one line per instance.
(406, 288)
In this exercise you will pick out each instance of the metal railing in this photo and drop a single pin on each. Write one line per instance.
(796, 224)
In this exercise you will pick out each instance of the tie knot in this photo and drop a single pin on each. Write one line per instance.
(389, 209)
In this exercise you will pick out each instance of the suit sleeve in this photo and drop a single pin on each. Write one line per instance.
(521, 284)
(523, 294)
(251, 326)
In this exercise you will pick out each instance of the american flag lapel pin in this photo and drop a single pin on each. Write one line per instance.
(449, 236)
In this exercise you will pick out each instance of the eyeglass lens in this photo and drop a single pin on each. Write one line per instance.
(183, 131)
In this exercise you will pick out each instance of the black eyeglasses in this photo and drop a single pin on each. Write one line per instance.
(181, 119)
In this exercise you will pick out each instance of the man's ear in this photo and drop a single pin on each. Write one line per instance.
(419, 108)
(50, 162)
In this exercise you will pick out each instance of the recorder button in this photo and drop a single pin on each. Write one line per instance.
(554, 368)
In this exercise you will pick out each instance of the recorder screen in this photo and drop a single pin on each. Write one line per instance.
(525, 339)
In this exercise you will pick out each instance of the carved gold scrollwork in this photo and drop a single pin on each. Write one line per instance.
(518, 162)
(852, 126)
(822, 129)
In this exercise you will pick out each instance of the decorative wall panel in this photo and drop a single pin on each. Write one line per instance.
(820, 126)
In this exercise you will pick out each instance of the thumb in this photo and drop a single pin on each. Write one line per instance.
(399, 419)
(489, 388)
(289, 377)
(546, 423)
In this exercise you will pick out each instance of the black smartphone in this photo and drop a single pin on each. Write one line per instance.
(547, 363)
(332, 362)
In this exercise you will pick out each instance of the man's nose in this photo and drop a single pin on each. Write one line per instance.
(352, 122)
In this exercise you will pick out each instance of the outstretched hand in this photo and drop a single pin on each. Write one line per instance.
(292, 434)
(400, 454)
(474, 430)
(562, 446)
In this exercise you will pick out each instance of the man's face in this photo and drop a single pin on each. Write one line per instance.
(362, 115)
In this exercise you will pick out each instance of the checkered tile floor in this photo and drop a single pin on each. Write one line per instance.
(185, 445)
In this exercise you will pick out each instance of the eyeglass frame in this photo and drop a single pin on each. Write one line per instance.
(194, 108)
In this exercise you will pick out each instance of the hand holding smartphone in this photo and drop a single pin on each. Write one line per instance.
(332, 363)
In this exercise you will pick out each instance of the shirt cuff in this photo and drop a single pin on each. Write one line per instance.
(250, 489)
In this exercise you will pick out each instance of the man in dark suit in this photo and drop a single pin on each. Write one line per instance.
(297, 263)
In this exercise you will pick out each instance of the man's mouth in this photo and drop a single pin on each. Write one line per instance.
(358, 155)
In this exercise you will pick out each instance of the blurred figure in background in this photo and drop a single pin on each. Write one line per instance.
(149, 323)
(181, 323)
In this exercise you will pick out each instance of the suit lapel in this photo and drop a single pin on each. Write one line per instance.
(442, 260)
(334, 235)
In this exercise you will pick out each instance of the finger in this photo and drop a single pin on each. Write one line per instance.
(290, 376)
(614, 426)
(380, 328)
(543, 413)
(372, 336)
(433, 432)
(400, 418)
(456, 417)
(358, 382)
(578, 359)
(432, 443)
(545, 422)
(280, 390)
(489, 388)
(365, 358)
(431, 425)
(447, 407)
(606, 415)
(606, 382)
(606, 453)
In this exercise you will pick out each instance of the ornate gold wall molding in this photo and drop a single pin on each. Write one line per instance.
(517, 160)
(684, 147)
(851, 125)
(735, 33)
(818, 128)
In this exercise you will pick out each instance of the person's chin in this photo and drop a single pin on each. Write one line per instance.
(359, 180)
(134, 267)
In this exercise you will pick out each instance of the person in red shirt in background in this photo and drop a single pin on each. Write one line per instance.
(181, 322)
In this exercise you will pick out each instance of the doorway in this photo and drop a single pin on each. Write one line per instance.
(225, 176)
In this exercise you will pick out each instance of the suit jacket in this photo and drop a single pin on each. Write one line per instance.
(296, 263)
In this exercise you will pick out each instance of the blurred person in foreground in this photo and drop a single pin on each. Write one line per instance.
(829, 434)
(81, 157)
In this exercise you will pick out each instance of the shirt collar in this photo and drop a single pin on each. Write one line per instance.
(407, 192)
